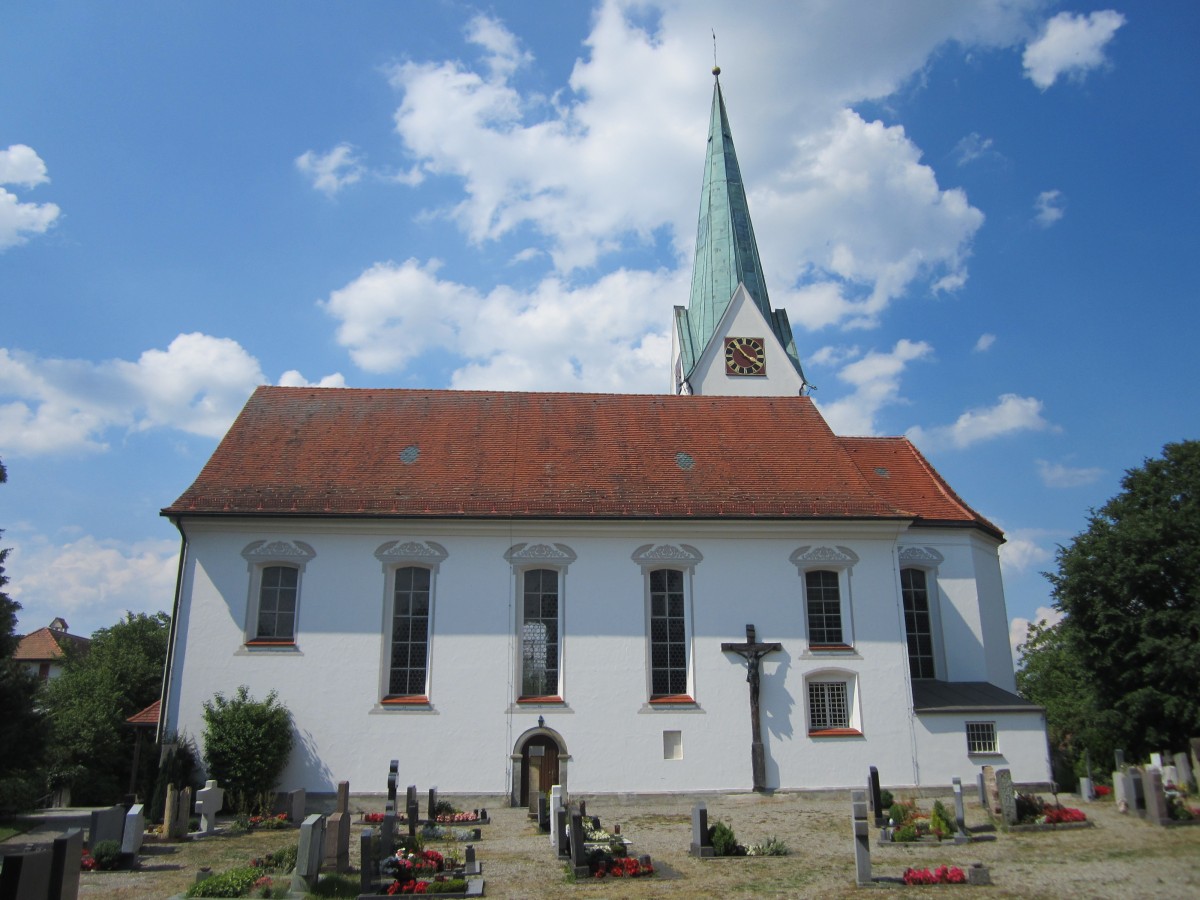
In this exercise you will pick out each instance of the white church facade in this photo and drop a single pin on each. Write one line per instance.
(464, 581)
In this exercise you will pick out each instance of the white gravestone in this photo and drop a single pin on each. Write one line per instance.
(209, 800)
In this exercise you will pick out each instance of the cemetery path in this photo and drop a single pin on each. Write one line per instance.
(1121, 857)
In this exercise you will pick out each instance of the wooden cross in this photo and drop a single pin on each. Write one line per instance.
(753, 652)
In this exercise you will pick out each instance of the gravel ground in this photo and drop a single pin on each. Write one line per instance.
(1120, 857)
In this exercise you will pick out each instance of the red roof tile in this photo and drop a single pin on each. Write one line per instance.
(480, 454)
(148, 716)
(47, 645)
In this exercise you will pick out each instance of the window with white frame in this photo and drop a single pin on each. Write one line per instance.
(410, 571)
(668, 570)
(981, 737)
(918, 623)
(273, 609)
(541, 574)
(832, 703)
(828, 617)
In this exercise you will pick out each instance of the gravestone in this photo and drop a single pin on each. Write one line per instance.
(1120, 760)
(579, 854)
(183, 815)
(393, 783)
(170, 811)
(297, 801)
(543, 813)
(26, 875)
(960, 811)
(561, 831)
(534, 787)
(106, 825)
(1185, 772)
(65, 856)
(556, 801)
(876, 797)
(209, 800)
(1156, 799)
(991, 791)
(433, 799)
(367, 868)
(1194, 744)
(337, 831)
(1085, 790)
(1137, 802)
(982, 793)
(470, 865)
(1170, 776)
(701, 843)
(862, 837)
(135, 831)
(1008, 797)
(308, 854)
(1155, 761)
(412, 810)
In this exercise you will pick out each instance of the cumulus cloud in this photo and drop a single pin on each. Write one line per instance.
(1010, 414)
(876, 382)
(89, 581)
(1018, 628)
(984, 343)
(606, 336)
(1057, 475)
(1072, 45)
(332, 171)
(196, 385)
(22, 167)
(1047, 208)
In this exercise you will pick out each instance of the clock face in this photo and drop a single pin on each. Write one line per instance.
(745, 356)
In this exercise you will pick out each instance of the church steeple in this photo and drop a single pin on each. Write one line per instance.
(726, 252)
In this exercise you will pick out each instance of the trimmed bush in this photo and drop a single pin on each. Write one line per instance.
(234, 883)
(724, 841)
(107, 855)
(247, 743)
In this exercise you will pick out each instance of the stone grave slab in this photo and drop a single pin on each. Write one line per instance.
(701, 843)
(209, 800)
(1138, 801)
(579, 854)
(862, 837)
(876, 797)
(66, 853)
(960, 809)
(1008, 797)
(431, 813)
(26, 874)
(297, 802)
(308, 855)
(991, 791)
(1185, 771)
(106, 825)
(134, 833)
(556, 803)
(337, 831)
(1156, 798)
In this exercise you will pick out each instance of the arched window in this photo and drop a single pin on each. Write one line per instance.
(411, 607)
(539, 633)
(273, 607)
(918, 623)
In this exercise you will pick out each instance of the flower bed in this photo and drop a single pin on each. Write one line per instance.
(1035, 814)
(908, 824)
(940, 875)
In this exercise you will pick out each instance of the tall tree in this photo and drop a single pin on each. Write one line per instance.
(21, 727)
(1130, 589)
(91, 748)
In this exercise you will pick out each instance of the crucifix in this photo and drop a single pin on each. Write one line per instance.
(753, 652)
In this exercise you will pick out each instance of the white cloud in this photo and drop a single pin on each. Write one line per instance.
(606, 336)
(1048, 208)
(21, 166)
(1071, 45)
(332, 171)
(876, 382)
(197, 385)
(293, 378)
(984, 343)
(1057, 475)
(1010, 414)
(973, 147)
(1024, 549)
(1018, 628)
(90, 582)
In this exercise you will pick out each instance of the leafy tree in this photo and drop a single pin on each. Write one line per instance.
(1129, 587)
(22, 731)
(91, 747)
(247, 743)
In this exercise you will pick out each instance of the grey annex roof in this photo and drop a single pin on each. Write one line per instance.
(930, 696)
(726, 251)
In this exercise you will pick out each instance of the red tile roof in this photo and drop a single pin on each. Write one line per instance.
(47, 645)
(148, 716)
(483, 454)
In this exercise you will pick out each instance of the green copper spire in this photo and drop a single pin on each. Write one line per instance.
(726, 252)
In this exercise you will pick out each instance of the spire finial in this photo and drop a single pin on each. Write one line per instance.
(716, 70)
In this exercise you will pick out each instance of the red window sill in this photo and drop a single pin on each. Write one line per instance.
(836, 732)
(547, 699)
(262, 642)
(667, 700)
(817, 648)
(405, 701)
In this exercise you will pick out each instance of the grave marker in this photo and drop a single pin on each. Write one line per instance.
(579, 854)
(470, 866)
(297, 801)
(701, 843)
(135, 832)
(1120, 759)
(1156, 799)
(876, 797)
(65, 856)
(556, 802)
(1137, 802)
(960, 811)
(209, 800)
(26, 874)
(308, 854)
(367, 868)
(752, 651)
(543, 813)
(1008, 797)
(106, 825)
(412, 810)
(862, 837)
(1185, 772)
(991, 792)
(982, 793)
(337, 831)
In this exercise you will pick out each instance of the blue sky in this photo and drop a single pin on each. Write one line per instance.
(981, 218)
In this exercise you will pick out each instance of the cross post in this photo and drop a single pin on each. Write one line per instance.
(753, 652)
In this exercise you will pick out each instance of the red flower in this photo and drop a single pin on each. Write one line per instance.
(1102, 790)
(1056, 815)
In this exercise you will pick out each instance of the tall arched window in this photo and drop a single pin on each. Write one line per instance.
(918, 623)
(539, 633)
(409, 662)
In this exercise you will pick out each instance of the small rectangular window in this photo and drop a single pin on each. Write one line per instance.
(981, 737)
(824, 608)
(672, 745)
(827, 705)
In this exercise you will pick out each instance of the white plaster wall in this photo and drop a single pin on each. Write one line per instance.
(744, 319)
(331, 680)
(1020, 741)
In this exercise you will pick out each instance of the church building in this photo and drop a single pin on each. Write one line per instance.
(507, 590)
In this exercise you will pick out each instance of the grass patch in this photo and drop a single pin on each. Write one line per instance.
(655, 819)
(10, 828)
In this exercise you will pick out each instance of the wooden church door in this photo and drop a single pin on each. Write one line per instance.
(539, 768)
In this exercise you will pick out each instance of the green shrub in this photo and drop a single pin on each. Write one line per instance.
(886, 799)
(444, 808)
(723, 840)
(178, 768)
(939, 821)
(282, 860)
(18, 793)
(900, 813)
(906, 834)
(772, 846)
(107, 854)
(449, 886)
(247, 743)
(336, 886)
(234, 883)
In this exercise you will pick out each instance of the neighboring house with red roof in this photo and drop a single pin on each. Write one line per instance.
(43, 652)
(495, 587)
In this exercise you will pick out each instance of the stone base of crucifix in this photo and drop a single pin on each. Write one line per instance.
(752, 651)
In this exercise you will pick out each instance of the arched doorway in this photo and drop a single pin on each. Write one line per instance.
(539, 760)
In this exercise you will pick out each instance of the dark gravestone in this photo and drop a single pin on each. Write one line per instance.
(1120, 760)
(106, 825)
(701, 843)
(1137, 803)
(579, 854)
(960, 810)
(1008, 797)
(413, 812)
(65, 857)
(876, 797)
(862, 837)
(562, 824)
(753, 651)
(433, 801)
(543, 813)
(368, 865)
(470, 865)
(308, 854)
(982, 791)
(583, 808)
(297, 802)
(393, 783)
(26, 875)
